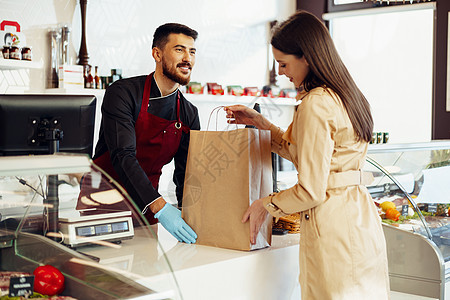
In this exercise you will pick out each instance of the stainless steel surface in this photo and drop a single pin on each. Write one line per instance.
(55, 49)
(416, 265)
(65, 45)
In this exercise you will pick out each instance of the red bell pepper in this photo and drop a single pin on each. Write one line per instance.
(48, 280)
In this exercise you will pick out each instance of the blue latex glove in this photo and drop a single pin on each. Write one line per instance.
(170, 218)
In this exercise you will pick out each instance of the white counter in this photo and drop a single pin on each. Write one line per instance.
(270, 273)
(204, 272)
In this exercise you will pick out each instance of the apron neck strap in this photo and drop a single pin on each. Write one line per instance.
(146, 96)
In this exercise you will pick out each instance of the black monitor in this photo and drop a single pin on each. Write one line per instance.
(46, 123)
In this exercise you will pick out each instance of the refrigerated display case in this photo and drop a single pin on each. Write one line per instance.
(415, 179)
(56, 209)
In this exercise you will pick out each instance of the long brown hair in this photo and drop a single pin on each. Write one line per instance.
(303, 34)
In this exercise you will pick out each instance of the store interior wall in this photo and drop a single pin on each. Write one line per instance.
(232, 46)
(440, 115)
(398, 85)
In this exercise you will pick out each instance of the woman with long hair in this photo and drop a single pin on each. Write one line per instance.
(342, 245)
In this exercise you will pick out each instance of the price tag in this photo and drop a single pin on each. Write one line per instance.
(405, 208)
(432, 208)
(21, 286)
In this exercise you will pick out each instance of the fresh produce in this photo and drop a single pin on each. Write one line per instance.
(48, 280)
(441, 210)
(393, 214)
(37, 296)
(386, 205)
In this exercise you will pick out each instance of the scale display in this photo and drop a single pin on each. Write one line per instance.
(101, 229)
(81, 230)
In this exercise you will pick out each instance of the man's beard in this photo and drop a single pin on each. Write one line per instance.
(171, 73)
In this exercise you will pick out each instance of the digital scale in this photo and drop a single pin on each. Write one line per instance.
(81, 230)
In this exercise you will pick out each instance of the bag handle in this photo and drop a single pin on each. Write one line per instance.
(217, 109)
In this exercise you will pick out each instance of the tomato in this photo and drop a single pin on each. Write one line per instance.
(393, 214)
(48, 280)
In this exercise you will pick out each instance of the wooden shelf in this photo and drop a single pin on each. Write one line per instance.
(12, 64)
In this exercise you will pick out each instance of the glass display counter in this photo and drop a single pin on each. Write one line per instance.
(412, 192)
(55, 209)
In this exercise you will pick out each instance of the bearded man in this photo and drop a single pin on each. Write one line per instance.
(145, 124)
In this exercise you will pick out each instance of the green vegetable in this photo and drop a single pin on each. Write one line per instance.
(33, 296)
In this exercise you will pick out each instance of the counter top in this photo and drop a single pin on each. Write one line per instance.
(203, 272)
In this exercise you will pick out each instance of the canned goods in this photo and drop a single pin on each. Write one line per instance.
(26, 53)
(374, 138)
(14, 52)
(5, 52)
(379, 137)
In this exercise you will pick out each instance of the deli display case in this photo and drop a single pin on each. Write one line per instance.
(61, 211)
(412, 192)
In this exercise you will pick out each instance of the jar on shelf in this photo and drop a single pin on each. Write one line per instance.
(14, 52)
(26, 53)
(5, 52)
(379, 138)
(374, 138)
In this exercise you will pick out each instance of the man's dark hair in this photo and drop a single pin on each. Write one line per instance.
(162, 33)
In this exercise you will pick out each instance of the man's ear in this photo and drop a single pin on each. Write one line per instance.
(156, 53)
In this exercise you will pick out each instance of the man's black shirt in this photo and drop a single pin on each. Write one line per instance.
(120, 109)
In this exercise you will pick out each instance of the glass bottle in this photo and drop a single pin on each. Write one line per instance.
(97, 82)
(85, 76)
(89, 78)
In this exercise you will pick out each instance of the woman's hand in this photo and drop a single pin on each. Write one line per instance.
(240, 114)
(257, 214)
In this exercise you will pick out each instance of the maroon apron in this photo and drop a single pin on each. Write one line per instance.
(157, 141)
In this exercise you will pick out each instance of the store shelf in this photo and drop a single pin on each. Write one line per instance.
(12, 64)
(279, 111)
(75, 91)
(230, 99)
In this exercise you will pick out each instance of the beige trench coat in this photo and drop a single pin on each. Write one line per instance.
(342, 245)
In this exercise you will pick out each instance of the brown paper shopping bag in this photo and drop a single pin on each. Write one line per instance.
(226, 171)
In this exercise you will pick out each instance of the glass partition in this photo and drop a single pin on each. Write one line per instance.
(414, 179)
(63, 211)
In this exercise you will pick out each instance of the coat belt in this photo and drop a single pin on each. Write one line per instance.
(349, 178)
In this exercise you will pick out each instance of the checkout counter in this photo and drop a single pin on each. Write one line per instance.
(108, 251)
